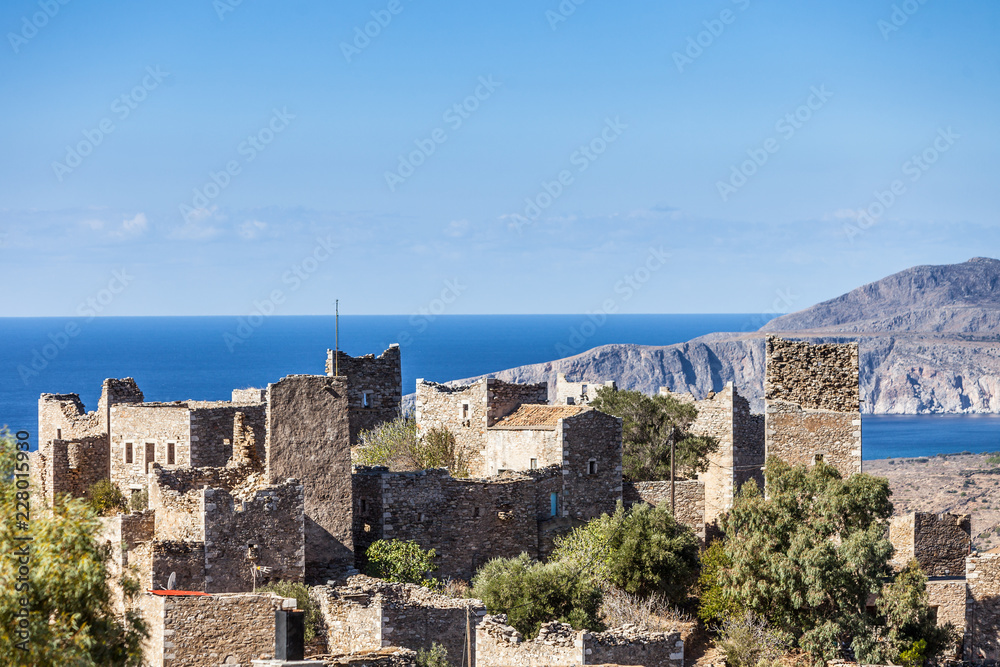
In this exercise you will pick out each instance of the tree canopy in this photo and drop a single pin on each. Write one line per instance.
(62, 576)
(807, 558)
(649, 425)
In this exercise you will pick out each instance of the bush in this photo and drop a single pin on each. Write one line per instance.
(293, 589)
(642, 550)
(107, 499)
(438, 449)
(653, 613)
(402, 561)
(531, 593)
(139, 502)
(714, 606)
(437, 656)
(747, 641)
(387, 443)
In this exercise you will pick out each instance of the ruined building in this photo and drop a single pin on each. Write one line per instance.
(578, 393)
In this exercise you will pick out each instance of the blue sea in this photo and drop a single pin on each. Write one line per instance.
(205, 358)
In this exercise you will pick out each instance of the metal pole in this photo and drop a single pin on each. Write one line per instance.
(336, 353)
(673, 496)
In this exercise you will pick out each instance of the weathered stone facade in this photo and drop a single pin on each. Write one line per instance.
(198, 630)
(468, 411)
(367, 614)
(813, 404)
(578, 393)
(374, 386)
(558, 645)
(308, 437)
(938, 542)
(466, 521)
(689, 499)
(947, 599)
(982, 626)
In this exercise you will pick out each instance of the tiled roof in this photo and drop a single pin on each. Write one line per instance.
(538, 416)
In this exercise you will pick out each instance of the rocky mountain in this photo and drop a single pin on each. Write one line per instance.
(929, 338)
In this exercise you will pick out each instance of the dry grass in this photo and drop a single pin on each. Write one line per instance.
(653, 614)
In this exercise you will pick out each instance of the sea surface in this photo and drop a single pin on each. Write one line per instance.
(205, 358)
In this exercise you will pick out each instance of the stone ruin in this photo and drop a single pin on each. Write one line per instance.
(261, 488)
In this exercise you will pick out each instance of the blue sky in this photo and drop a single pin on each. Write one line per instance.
(629, 125)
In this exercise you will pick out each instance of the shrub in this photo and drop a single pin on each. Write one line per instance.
(139, 502)
(293, 589)
(714, 606)
(387, 443)
(747, 641)
(438, 449)
(531, 593)
(642, 550)
(402, 561)
(653, 613)
(436, 656)
(107, 499)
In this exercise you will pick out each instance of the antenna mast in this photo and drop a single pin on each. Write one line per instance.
(336, 354)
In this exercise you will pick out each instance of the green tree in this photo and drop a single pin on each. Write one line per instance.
(70, 617)
(400, 560)
(714, 607)
(911, 633)
(807, 558)
(531, 593)
(436, 656)
(649, 425)
(642, 550)
(106, 498)
(438, 449)
(299, 591)
(387, 443)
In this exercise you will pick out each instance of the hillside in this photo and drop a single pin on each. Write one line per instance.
(929, 338)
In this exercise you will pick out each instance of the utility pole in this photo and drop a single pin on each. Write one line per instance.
(673, 484)
(336, 352)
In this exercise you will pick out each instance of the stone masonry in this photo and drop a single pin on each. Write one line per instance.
(194, 630)
(938, 542)
(308, 437)
(374, 387)
(812, 404)
(578, 393)
(689, 497)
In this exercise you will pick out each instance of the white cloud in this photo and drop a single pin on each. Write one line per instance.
(251, 229)
(135, 225)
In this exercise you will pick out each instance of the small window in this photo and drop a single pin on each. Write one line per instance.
(367, 399)
(58, 434)
(534, 464)
(818, 458)
(170, 453)
(364, 505)
(592, 467)
(475, 513)
(583, 390)
(150, 455)
(465, 410)
(128, 452)
(570, 400)
(553, 504)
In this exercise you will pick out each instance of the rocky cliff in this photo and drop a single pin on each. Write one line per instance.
(929, 339)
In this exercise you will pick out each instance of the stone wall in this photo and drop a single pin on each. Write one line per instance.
(557, 644)
(366, 614)
(982, 633)
(266, 530)
(467, 521)
(69, 467)
(308, 438)
(461, 410)
(503, 398)
(592, 463)
(813, 404)
(577, 393)
(374, 385)
(939, 542)
(147, 428)
(199, 630)
(947, 598)
(516, 448)
(690, 500)
(212, 429)
(176, 495)
(249, 395)
(815, 377)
